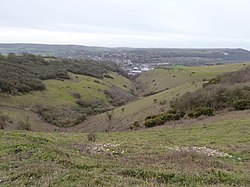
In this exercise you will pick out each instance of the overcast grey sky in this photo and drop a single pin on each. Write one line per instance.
(131, 23)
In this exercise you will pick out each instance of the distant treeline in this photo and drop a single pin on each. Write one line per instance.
(24, 73)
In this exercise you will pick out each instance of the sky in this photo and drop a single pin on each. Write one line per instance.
(127, 23)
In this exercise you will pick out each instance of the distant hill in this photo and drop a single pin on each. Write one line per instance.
(135, 55)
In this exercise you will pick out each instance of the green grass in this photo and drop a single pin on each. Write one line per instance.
(119, 81)
(161, 79)
(140, 158)
(124, 116)
(59, 94)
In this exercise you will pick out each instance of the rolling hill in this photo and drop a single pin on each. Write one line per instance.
(123, 117)
(123, 56)
(64, 97)
(100, 114)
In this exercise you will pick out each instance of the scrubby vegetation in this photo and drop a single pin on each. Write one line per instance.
(119, 96)
(206, 111)
(161, 119)
(65, 91)
(231, 90)
(24, 73)
(69, 116)
(242, 104)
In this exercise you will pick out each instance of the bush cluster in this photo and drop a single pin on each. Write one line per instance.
(201, 111)
(217, 97)
(242, 104)
(62, 117)
(225, 91)
(161, 119)
(67, 116)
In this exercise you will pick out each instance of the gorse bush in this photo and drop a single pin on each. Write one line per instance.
(242, 104)
(161, 119)
(201, 111)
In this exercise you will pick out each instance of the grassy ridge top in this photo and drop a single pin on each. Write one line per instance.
(159, 157)
(165, 78)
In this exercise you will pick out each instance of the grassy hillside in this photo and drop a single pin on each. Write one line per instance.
(202, 154)
(61, 95)
(68, 90)
(123, 117)
(228, 91)
(165, 78)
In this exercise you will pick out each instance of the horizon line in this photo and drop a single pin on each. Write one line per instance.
(101, 46)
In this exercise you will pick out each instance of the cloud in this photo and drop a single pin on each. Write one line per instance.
(126, 38)
(133, 23)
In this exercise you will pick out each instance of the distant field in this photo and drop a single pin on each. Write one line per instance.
(166, 156)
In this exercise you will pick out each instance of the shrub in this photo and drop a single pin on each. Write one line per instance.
(206, 111)
(136, 124)
(91, 137)
(242, 104)
(161, 119)
(62, 117)
(215, 96)
(218, 93)
(154, 122)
